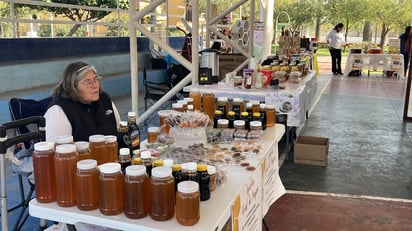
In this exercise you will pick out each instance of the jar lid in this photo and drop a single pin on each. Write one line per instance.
(124, 151)
(183, 102)
(44, 146)
(123, 123)
(237, 100)
(164, 113)
(256, 114)
(262, 106)
(86, 164)
(153, 129)
(168, 162)
(218, 112)
(222, 99)
(201, 167)
(191, 166)
(239, 123)
(158, 163)
(231, 113)
(188, 99)
(190, 107)
(270, 106)
(177, 105)
(223, 121)
(65, 148)
(211, 169)
(177, 167)
(109, 168)
(245, 113)
(63, 139)
(136, 160)
(161, 172)
(110, 139)
(188, 186)
(145, 154)
(255, 102)
(255, 124)
(248, 105)
(96, 138)
(135, 170)
(131, 114)
(81, 145)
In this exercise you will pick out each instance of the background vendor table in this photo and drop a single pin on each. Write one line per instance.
(300, 95)
(249, 193)
(375, 62)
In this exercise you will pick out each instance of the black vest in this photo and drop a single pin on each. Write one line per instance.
(89, 119)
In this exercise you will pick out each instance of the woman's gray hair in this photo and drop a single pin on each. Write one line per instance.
(67, 85)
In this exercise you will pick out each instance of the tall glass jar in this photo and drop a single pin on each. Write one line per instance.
(65, 162)
(238, 106)
(43, 170)
(112, 149)
(223, 105)
(97, 147)
(204, 180)
(270, 115)
(209, 104)
(197, 100)
(111, 189)
(137, 192)
(83, 150)
(187, 203)
(87, 184)
(163, 194)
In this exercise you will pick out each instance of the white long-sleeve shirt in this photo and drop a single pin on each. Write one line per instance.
(335, 39)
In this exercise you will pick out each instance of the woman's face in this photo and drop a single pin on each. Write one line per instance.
(88, 87)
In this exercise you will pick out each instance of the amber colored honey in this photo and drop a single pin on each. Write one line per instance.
(65, 173)
(209, 104)
(137, 196)
(197, 100)
(112, 150)
(163, 197)
(111, 192)
(87, 185)
(98, 151)
(43, 170)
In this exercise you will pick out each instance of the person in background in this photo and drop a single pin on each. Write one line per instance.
(79, 106)
(403, 38)
(335, 40)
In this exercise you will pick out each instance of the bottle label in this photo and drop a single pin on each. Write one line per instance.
(135, 138)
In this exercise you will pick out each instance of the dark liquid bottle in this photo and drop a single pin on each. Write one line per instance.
(133, 132)
(218, 116)
(177, 174)
(191, 172)
(122, 136)
(124, 159)
(263, 115)
(204, 180)
(146, 160)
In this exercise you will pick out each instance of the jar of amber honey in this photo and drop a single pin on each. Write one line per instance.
(87, 184)
(197, 100)
(270, 115)
(83, 151)
(65, 162)
(187, 203)
(97, 147)
(209, 104)
(163, 194)
(112, 149)
(137, 192)
(111, 189)
(43, 170)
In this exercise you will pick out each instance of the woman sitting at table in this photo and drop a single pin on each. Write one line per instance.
(80, 107)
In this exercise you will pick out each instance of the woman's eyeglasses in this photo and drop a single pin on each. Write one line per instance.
(89, 82)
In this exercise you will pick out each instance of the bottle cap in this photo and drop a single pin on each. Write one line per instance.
(190, 107)
(157, 163)
(201, 167)
(249, 105)
(188, 99)
(161, 172)
(86, 164)
(96, 138)
(43, 146)
(176, 167)
(218, 112)
(262, 106)
(65, 148)
(168, 162)
(131, 114)
(223, 121)
(237, 100)
(81, 145)
(63, 139)
(222, 99)
(123, 123)
(255, 124)
(244, 113)
(231, 113)
(188, 186)
(136, 160)
(191, 166)
(270, 106)
(135, 170)
(110, 139)
(124, 151)
(239, 123)
(211, 169)
(153, 129)
(256, 114)
(145, 154)
(109, 168)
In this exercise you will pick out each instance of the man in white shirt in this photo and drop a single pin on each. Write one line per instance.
(335, 40)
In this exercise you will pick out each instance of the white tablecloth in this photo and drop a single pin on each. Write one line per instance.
(300, 96)
(375, 62)
(252, 193)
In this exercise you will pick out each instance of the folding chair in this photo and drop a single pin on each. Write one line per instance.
(20, 110)
(153, 90)
(5, 143)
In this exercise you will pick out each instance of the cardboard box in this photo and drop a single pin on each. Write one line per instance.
(311, 150)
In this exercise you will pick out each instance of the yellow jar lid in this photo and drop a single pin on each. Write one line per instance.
(231, 113)
(256, 114)
(136, 160)
(158, 163)
(176, 167)
(201, 167)
(245, 113)
(218, 112)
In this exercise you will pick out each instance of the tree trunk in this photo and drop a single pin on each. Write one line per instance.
(383, 36)
(318, 29)
(73, 30)
(367, 33)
